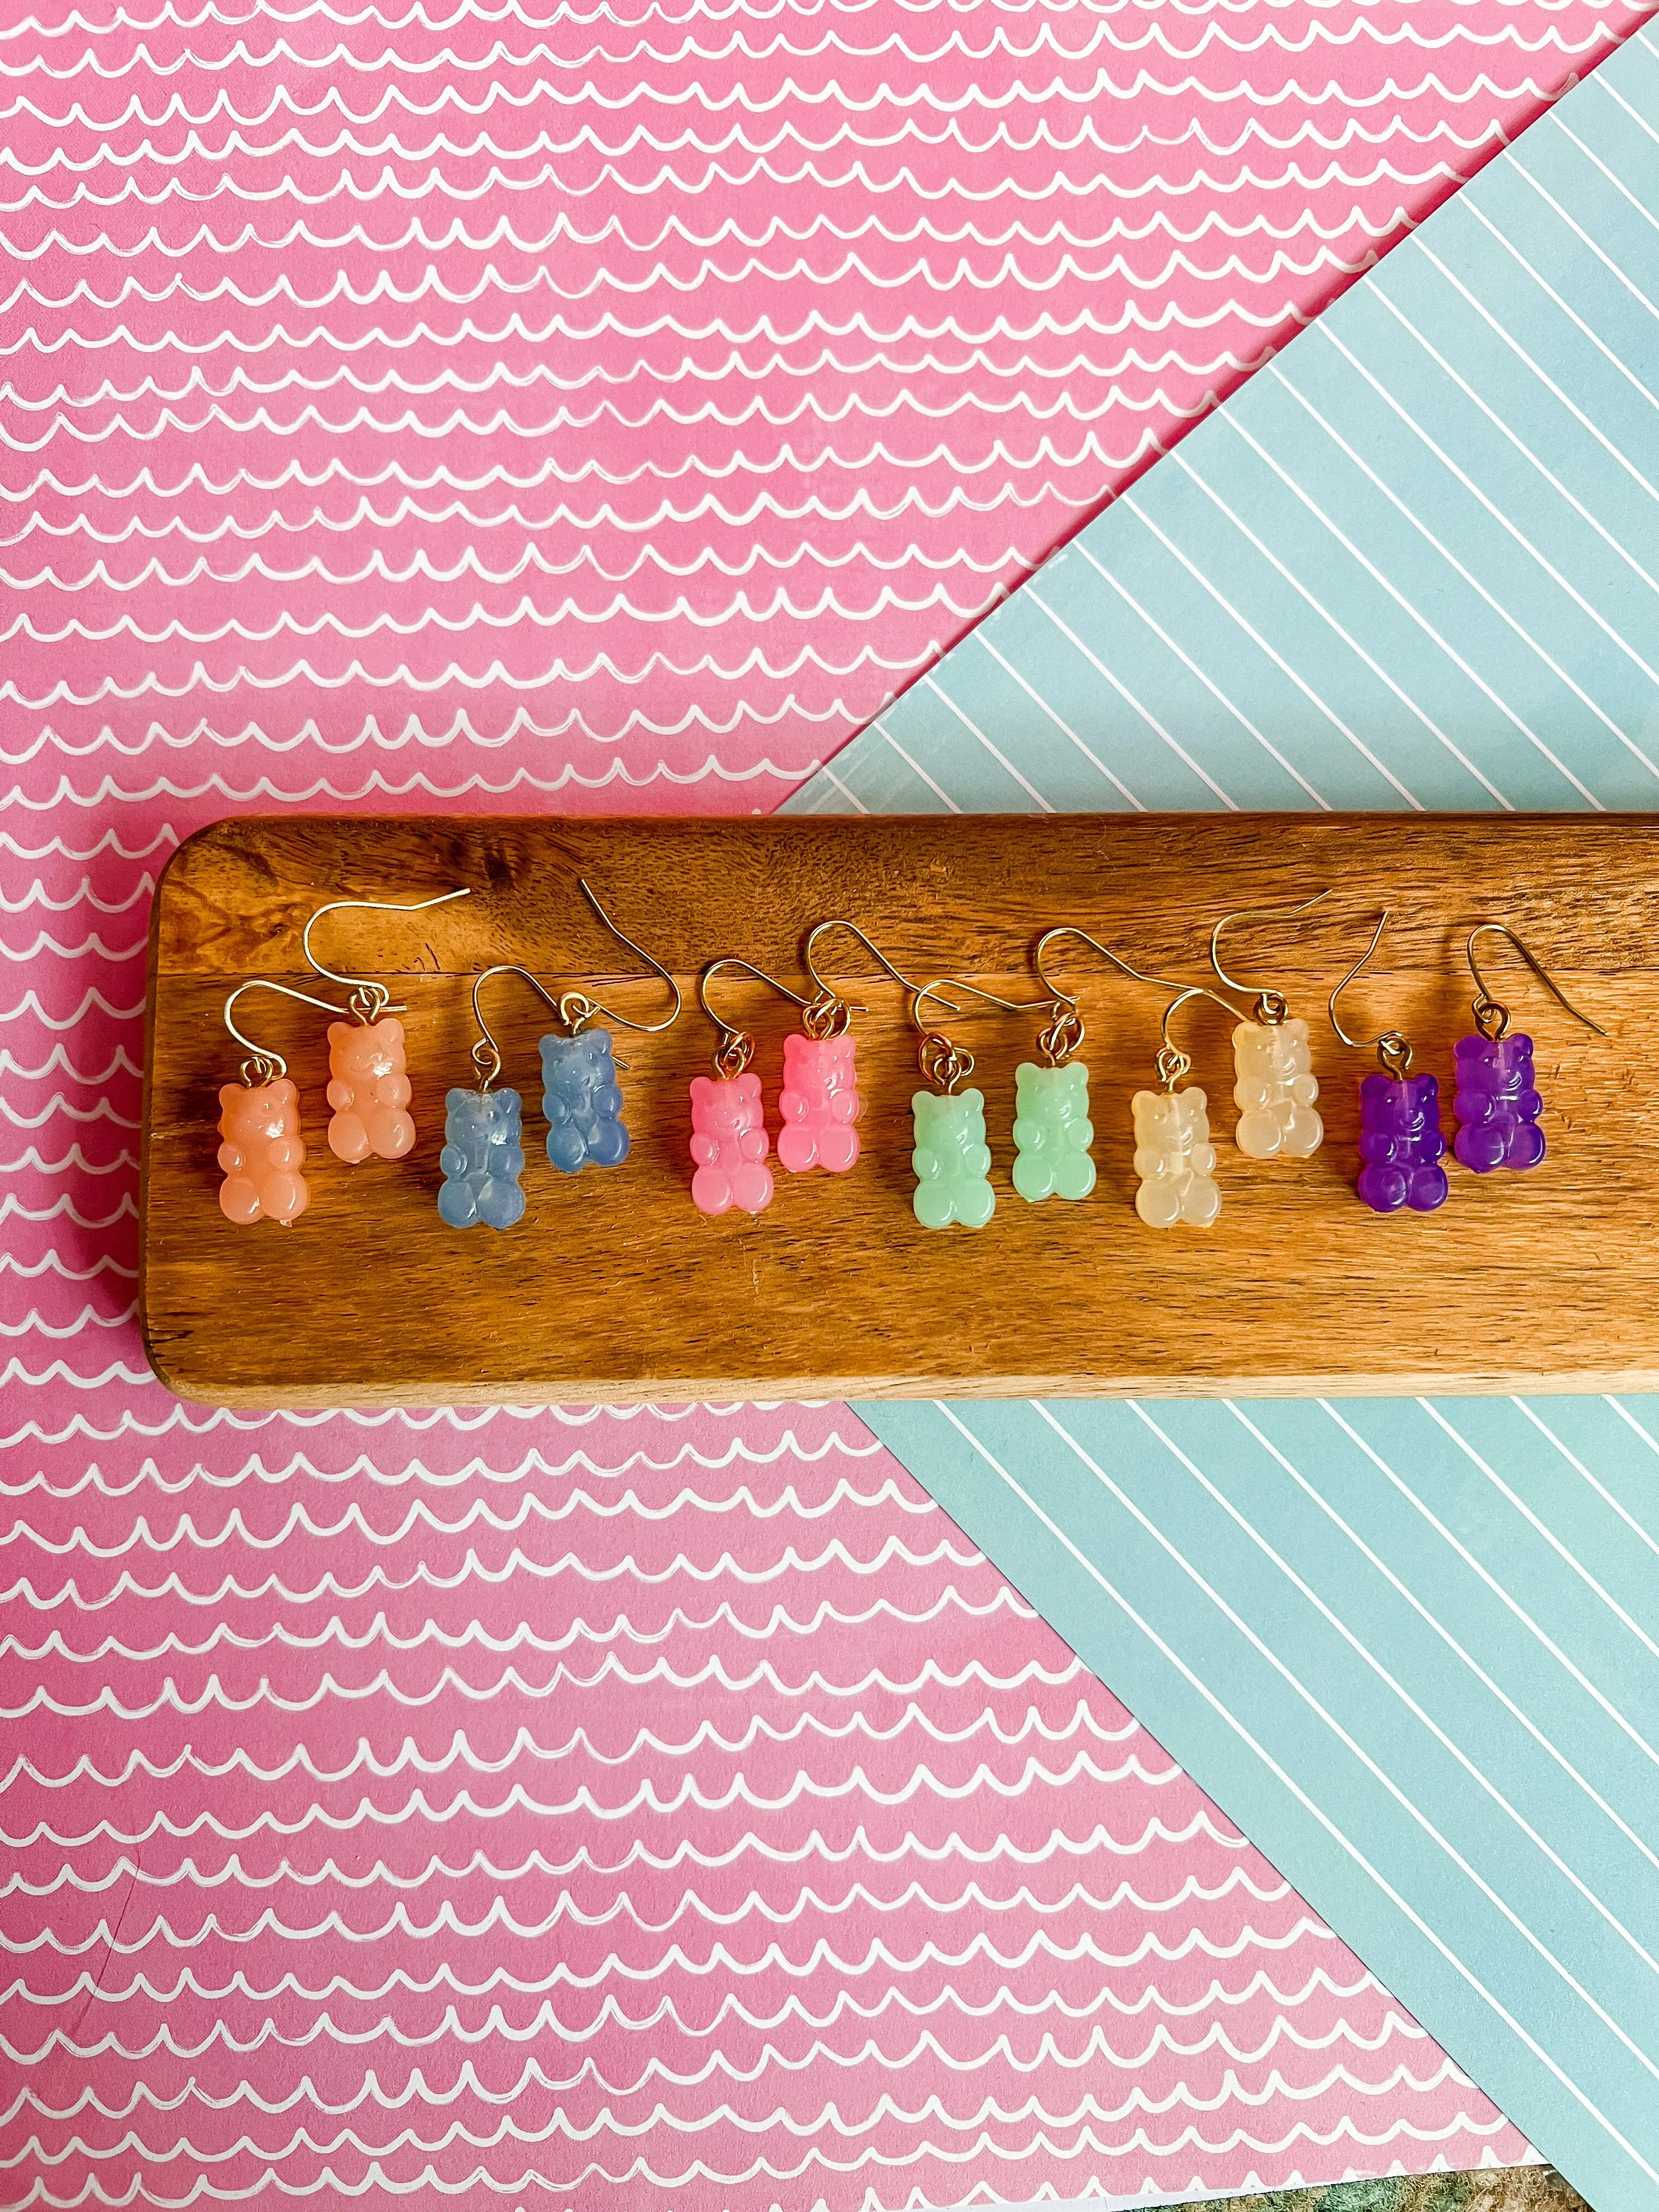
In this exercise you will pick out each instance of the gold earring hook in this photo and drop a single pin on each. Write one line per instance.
(1066, 1026)
(1491, 1016)
(827, 1016)
(1172, 1062)
(369, 1000)
(736, 1048)
(268, 1066)
(1393, 1052)
(943, 1062)
(575, 1007)
(487, 1054)
(1271, 1006)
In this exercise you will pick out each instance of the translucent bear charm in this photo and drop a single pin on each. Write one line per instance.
(581, 1102)
(1275, 1092)
(1401, 1144)
(1052, 1131)
(262, 1153)
(481, 1159)
(368, 1090)
(1174, 1160)
(729, 1145)
(1497, 1104)
(952, 1160)
(818, 1104)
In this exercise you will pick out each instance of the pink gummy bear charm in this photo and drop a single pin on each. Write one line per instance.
(729, 1145)
(262, 1153)
(369, 1091)
(818, 1104)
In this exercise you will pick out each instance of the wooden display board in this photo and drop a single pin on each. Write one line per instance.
(613, 1286)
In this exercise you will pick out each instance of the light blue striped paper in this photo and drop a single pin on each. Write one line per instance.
(1412, 1648)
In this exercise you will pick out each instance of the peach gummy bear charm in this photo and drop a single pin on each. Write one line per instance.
(262, 1153)
(729, 1145)
(818, 1105)
(368, 1090)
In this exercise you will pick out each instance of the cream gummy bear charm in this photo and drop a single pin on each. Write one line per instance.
(1174, 1160)
(1275, 1090)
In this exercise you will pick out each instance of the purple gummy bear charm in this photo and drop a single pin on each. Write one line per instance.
(1497, 1104)
(1401, 1144)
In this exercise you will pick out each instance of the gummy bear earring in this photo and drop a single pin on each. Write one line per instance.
(368, 1077)
(1401, 1146)
(1172, 1130)
(261, 1151)
(1051, 1129)
(580, 1094)
(482, 1158)
(951, 1159)
(1173, 1156)
(1496, 1102)
(1273, 1059)
(818, 1106)
(729, 1143)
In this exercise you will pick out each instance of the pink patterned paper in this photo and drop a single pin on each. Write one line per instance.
(407, 406)
(612, 1807)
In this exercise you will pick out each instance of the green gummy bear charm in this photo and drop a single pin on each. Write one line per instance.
(952, 1160)
(1053, 1132)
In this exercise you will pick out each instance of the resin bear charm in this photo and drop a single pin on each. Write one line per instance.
(1052, 1131)
(481, 1159)
(1400, 1143)
(729, 1145)
(368, 1090)
(1174, 1160)
(582, 1103)
(1497, 1104)
(262, 1153)
(819, 1104)
(1275, 1090)
(952, 1160)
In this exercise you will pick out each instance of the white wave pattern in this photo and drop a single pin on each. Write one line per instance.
(644, 393)
(409, 404)
(660, 1804)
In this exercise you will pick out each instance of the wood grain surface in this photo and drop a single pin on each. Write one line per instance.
(614, 1287)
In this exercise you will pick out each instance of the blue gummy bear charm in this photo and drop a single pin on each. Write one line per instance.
(581, 1102)
(481, 1159)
